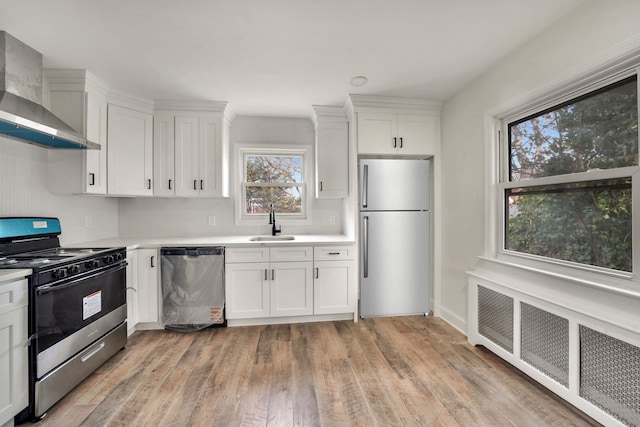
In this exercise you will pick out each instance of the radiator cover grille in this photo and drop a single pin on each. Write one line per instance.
(545, 342)
(610, 375)
(495, 317)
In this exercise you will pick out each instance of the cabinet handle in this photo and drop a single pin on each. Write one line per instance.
(266, 277)
(273, 274)
(149, 184)
(395, 142)
(317, 272)
(195, 182)
(170, 184)
(152, 260)
(202, 184)
(334, 253)
(400, 142)
(92, 179)
(320, 185)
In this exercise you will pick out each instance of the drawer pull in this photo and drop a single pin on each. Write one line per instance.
(334, 253)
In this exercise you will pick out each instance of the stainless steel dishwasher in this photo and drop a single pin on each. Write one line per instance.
(192, 287)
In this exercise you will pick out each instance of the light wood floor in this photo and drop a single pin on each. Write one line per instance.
(385, 372)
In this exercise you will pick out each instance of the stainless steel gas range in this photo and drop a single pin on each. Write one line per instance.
(77, 307)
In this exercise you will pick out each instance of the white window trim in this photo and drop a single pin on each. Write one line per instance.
(599, 72)
(303, 151)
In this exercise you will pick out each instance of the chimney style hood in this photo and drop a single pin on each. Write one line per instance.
(22, 116)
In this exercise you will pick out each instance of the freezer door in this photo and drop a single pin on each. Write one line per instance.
(400, 185)
(394, 263)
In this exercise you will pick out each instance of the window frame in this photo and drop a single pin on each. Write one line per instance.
(498, 125)
(244, 150)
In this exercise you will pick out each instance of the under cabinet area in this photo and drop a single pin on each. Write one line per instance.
(14, 386)
(290, 284)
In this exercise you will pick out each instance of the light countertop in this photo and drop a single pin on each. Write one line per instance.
(14, 274)
(228, 241)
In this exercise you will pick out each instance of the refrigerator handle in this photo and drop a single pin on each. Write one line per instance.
(365, 185)
(365, 244)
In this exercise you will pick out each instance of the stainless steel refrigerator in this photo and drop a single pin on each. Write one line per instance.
(394, 237)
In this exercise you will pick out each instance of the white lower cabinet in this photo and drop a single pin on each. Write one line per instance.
(148, 286)
(334, 287)
(14, 386)
(132, 291)
(277, 282)
(143, 289)
(256, 287)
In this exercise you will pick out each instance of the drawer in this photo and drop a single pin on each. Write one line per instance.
(291, 253)
(237, 255)
(13, 295)
(329, 253)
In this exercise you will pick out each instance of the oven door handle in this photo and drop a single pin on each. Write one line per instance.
(58, 287)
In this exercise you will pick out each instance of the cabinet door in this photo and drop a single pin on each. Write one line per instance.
(210, 157)
(13, 364)
(291, 288)
(417, 134)
(132, 291)
(96, 131)
(130, 154)
(148, 284)
(333, 287)
(164, 155)
(377, 133)
(332, 160)
(247, 290)
(187, 156)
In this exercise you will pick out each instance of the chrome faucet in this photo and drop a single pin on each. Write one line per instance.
(272, 220)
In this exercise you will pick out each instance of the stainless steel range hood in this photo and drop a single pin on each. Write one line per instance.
(22, 116)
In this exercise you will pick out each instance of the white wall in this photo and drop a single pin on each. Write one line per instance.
(583, 35)
(189, 217)
(23, 192)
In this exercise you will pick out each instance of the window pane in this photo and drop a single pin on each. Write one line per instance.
(286, 200)
(589, 222)
(273, 168)
(596, 131)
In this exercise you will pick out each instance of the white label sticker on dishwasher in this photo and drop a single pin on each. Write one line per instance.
(91, 304)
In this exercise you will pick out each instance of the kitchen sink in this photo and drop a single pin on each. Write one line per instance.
(271, 238)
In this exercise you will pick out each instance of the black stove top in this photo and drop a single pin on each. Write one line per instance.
(50, 257)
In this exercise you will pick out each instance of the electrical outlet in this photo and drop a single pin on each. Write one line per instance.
(332, 219)
(212, 220)
(87, 221)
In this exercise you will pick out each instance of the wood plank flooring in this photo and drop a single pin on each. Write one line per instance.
(403, 371)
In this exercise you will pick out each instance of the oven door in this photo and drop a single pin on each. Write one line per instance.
(73, 313)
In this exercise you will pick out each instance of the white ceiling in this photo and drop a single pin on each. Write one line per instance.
(279, 57)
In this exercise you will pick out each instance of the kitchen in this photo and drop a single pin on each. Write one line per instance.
(459, 226)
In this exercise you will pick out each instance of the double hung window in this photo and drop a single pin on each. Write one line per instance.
(568, 173)
(273, 177)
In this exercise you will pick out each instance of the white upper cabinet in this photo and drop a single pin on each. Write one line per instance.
(332, 152)
(164, 171)
(79, 98)
(191, 150)
(395, 127)
(130, 154)
(402, 134)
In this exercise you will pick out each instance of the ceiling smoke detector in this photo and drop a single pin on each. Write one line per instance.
(359, 81)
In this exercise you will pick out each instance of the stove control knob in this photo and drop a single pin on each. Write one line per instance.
(60, 273)
(74, 269)
(119, 256)
(108, 259)
(94, 263)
